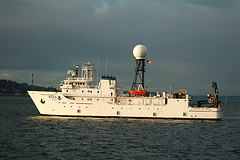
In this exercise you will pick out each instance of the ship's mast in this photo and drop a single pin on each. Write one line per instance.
(87, 71)
(139, 52)
(139, 72)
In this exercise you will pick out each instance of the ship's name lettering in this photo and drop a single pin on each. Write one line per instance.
(52, 96)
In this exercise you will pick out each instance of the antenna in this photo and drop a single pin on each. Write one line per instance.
(106, 67)
(32, 81)
(97, 70)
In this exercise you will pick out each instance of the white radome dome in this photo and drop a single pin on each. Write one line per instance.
(140, 51)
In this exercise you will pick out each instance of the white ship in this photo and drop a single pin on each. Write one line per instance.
(79, 97)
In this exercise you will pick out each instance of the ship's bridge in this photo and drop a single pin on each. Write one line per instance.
(83, 85)
(85, 80)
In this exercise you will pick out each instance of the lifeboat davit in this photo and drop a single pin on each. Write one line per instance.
(140, 92)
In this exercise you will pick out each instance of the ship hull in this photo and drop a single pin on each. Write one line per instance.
(57, 104)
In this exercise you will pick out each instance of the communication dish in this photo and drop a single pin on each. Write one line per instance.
(140, 51)
(71, 72)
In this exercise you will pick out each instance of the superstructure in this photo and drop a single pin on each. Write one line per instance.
(79, 97)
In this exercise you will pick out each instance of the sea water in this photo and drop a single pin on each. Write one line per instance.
(27, 135)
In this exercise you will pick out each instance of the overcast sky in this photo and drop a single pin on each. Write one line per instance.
(190, 42)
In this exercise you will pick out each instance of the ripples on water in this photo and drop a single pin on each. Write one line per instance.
(26, 135)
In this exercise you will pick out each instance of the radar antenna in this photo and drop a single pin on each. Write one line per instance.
(140, 52)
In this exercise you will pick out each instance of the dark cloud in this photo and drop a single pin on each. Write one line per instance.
(190, 43)
(213, 3)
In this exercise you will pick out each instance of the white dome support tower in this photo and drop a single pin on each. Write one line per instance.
(139, 52)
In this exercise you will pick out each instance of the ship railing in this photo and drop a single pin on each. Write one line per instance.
(145, 101)
(177, 96)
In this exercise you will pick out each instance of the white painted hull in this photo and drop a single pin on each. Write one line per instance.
(55, 103)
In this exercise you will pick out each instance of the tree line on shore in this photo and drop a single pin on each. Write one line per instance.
(12, 88)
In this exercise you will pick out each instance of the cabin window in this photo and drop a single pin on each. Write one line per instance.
(73, 98)
(154, 114)
(111, 94)
(97, 99)
(66, 90)
(82, 91)
(97, 91)
(79, 111)
(118, 112)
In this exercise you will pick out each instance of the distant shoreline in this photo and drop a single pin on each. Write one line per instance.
(12, 88)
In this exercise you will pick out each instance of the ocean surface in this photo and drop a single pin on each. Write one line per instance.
(27, 135)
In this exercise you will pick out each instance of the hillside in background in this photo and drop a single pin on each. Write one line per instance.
(11, 88)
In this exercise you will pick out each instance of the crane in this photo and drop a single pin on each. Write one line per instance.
(212, 99)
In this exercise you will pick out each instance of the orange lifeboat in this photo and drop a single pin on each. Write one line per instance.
(140, 92)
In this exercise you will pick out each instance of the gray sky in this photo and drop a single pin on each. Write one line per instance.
(190, 42)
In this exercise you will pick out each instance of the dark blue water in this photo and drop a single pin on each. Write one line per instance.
(27, 135)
